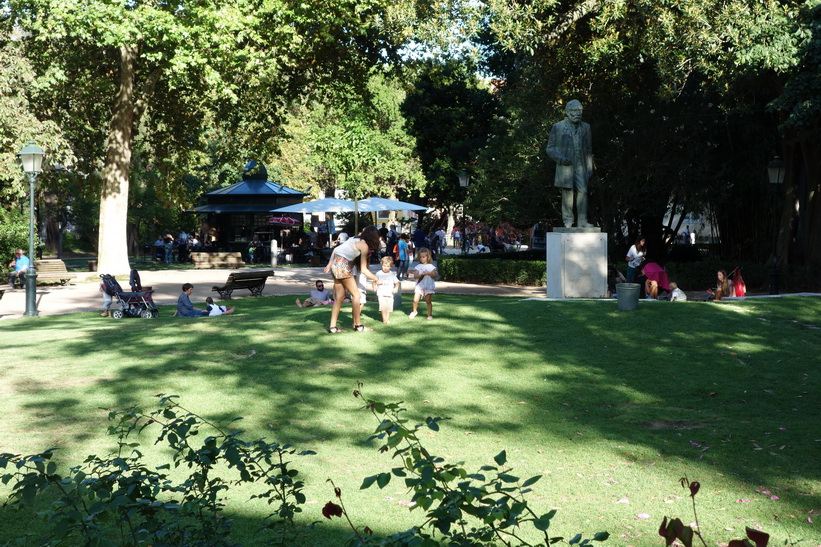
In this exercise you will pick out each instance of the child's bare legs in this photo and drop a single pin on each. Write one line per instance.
(429, 302)
(416, 298)
(386, 316)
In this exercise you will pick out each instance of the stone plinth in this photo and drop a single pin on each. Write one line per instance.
(576, 263)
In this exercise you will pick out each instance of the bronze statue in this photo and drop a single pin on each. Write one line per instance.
(569, 145)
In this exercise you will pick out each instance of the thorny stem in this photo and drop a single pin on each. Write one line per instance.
(698, 526)
(345, 512)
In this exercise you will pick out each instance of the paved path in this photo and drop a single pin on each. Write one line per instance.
(84, 295)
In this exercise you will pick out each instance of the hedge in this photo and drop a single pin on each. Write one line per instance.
(492, 269)
(523, 268)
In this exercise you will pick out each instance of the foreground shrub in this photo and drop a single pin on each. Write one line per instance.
(117, 500)
(674, 530)
(486, 507)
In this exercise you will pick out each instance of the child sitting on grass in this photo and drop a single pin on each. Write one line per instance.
(676, 294)
(215, 309)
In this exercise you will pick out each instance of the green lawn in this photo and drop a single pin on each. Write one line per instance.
(613, 408)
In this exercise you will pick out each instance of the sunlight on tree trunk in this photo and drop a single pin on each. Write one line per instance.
(113, 243)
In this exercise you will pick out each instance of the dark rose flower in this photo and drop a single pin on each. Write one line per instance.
(331, 510)
(338, 492)
(694, 486)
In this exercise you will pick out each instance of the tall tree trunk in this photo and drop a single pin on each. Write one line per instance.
(113, 243)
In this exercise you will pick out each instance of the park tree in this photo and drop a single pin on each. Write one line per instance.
(355, 142)
(676, 95)
(20, 123)
(452, 113)
(109, 71)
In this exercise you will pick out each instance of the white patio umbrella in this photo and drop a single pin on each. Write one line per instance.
(374, 204)
(334, 205)
(324, 205)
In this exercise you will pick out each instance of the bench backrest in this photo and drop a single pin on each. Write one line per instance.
(259, 274)
(217, 255)
(50, 265)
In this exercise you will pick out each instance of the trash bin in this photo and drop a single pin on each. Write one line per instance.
(627, 295)
(397, 300)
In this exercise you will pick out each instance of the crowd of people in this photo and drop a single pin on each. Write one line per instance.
(169, 248)
(395, 251)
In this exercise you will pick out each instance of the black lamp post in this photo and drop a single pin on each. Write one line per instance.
(31, 159)
(464, 182)
(775, 173)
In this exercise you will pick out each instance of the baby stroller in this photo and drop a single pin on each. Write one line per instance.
(132, 304)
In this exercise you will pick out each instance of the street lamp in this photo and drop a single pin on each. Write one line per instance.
(31, 159)
(464, 182)
(776, 170)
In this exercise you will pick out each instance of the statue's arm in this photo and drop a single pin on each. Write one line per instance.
(553, 146)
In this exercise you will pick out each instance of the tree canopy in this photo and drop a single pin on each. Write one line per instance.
(687, 101)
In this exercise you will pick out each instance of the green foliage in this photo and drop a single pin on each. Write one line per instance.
(359, 142)
(485, 507)
(492, 268)
(452, 114)
(19, 119)
(14, 234)
(118, 500)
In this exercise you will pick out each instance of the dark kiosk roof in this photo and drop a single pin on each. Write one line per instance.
(253, 194)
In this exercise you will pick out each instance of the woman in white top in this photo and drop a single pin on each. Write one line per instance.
(635, 256)
(341, 265)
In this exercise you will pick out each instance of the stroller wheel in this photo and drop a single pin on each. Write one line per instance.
(117, 314)
(155, 313)
(147, 314)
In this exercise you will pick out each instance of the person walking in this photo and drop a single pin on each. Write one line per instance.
(425, 274)
(345, 257)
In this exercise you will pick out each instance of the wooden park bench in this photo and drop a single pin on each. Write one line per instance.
(217, 260)
(53, 269)
(253, 280)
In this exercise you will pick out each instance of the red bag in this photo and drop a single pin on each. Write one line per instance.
(738, 283)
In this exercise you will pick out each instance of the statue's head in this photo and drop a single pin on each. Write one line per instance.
(574, 109)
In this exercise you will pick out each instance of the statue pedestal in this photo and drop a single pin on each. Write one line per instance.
(576, 263)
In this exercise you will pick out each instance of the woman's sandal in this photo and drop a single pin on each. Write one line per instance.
(362, 328)
(335, 330)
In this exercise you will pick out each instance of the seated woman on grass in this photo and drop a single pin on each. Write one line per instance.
(186, 309)
(724, 287)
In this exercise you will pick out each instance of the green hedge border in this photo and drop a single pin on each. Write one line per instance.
(522, 269)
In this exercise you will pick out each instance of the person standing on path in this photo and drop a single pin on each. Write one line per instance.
(635, 256)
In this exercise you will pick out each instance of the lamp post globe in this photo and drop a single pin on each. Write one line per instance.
(31, 160)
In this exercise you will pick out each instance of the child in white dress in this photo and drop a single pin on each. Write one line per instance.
(385, 288)
(425, 274)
